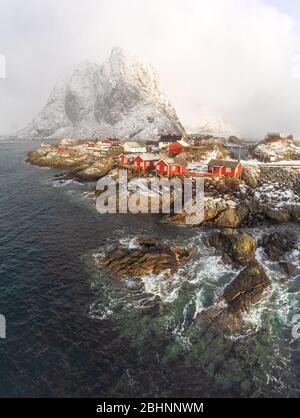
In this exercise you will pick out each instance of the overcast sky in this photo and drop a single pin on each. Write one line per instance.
(240, 58)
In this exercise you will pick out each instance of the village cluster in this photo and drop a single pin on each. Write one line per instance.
(163, 158)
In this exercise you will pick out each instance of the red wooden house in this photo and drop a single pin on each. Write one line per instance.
(178, 147)
(225, 168)
(145, 161)
(125, 159)
(170, 167)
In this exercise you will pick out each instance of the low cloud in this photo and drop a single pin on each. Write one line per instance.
(240, 58)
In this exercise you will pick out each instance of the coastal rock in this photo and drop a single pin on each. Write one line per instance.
(251, 176)
(247, 288)
(287, 267)
(228, 218)
(275, 148)
(150, 257)
(80, 164)
(277, 244)
(236, 246)
(238, 297)
(94, 171)
(278, 215)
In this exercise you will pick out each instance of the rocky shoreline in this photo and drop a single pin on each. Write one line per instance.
(80, 164)
(238, 249)
(262, 196)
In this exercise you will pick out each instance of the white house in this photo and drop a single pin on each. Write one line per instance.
(166, 140)
(134, 147)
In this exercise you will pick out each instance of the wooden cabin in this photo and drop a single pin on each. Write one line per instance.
(225, 168)
(125, 159)
(145, 161)
(178, 147)
(170, 167)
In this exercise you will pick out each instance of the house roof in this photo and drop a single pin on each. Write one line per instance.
(172, 161)
(183, 143)
(149, 157)
(170, 138)
(132, 155)
(134, 145)
(223, 163)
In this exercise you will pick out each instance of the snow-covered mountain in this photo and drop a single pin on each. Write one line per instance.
(123, 97)
(210, 123)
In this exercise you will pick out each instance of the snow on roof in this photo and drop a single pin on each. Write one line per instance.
(223, 163)
(149, 157)
(134, 145)
(171, 161)
(129, 155)
(183, 143)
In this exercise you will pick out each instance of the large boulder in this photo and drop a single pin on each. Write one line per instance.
(149, 257)
(236, 246)
(238, 297)
(93, 171)
(251, 176)
(287, 267)
(278, 215)
(228, 218)
(247, 288)
(277, 244)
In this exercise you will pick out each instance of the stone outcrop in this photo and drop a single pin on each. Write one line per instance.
(237, 247)
(251, 176)
(80, 164)
(264, 195)
(247, 288)
(287, 267)
(277, 245)
(149, 257)
(238, 297)
(275, 149)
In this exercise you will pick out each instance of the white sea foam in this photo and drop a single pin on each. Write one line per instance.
(159, 285)
(199, 300)
(130, 243)
(62, 183)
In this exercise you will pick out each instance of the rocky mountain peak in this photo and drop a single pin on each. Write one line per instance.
(123, 97)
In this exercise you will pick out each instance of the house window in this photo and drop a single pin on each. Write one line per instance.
(148, 164)
(173, 169)
(228, 170)
(165, 168)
